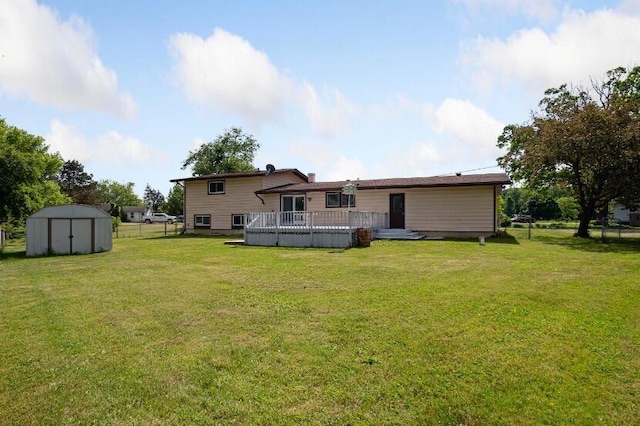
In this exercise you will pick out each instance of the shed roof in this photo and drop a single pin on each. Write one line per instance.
(242, 174)
(70, 211)
(413, 182)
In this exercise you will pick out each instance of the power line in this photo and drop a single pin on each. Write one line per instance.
(470, 170)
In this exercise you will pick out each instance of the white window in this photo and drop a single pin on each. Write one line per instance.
(202, 221)
(215, 187)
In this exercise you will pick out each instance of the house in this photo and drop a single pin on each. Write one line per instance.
(135, 213)
(623, 215)
(460, 205)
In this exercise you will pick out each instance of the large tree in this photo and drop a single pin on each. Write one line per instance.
(588, 138)
(27, 174)
(174, 203)
(153, 198)
(233, 151)
(120, 194)
(78, 184)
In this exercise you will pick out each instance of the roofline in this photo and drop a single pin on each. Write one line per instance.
(329, 186)
(253, 173)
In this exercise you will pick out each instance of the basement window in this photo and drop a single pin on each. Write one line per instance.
(237, 221)
(202, 221)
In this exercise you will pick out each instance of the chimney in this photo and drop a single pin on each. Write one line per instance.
(311, 177)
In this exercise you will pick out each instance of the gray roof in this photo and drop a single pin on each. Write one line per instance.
(241, 174)
(413, 182)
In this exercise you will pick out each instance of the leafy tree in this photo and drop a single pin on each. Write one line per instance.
(588, 139)
(27, 174)
(230, 152)
(569, 208)
(120, 194)
(78, 184)
(174, 203)
(153, 198)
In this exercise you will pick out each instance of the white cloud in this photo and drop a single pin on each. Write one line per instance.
(54, 62)
(197, 143)
(226, 72)
(583, 46)
(329, 163)
(543, 10)
(111, 147)
(469, 127)
(345, 168)
(331, 114)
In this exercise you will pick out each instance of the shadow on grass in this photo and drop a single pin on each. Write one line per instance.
(13, 255)
(594, 245)
(181, 237)
(503, 238)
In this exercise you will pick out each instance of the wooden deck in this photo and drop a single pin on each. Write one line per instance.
(308, 229)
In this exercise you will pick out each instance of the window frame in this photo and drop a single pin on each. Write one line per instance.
(333, 205)
(233, 224)
(201, 225)
(217, 181)
(344, 200)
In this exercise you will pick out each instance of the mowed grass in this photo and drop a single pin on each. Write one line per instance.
(187, 330)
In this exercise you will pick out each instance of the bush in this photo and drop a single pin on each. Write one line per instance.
(557, 225)
(505, 222)
(115, 222)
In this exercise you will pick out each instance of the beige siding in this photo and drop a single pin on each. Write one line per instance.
(464, 209)
(279, 179)
(455, 209)
(239, 198)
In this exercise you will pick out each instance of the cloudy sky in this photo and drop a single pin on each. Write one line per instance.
(345, 89)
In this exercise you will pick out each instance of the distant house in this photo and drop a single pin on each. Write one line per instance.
(461, 205)
(623, 215)
(135, 213)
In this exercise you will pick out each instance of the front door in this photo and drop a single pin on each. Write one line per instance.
(396, 211)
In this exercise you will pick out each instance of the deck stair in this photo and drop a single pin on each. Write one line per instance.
(397, 234)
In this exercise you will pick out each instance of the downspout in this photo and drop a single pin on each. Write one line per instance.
(496, 219)
(260, 198)
(184, 207)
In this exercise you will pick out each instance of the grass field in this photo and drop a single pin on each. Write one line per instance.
(187, 330)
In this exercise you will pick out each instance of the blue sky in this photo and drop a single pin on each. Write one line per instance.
(345, 89)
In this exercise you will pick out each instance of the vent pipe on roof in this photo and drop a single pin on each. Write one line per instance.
(311, 177)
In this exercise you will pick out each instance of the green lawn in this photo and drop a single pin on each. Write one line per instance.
(187, 330)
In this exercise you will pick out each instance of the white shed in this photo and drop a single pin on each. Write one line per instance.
(68, 229)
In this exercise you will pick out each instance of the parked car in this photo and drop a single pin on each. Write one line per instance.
(159, 218)
(522, 218)
(180, 218)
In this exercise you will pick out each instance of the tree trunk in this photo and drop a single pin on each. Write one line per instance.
(585, 218)
(583, 228)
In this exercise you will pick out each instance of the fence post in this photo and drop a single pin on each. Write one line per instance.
(310, 214)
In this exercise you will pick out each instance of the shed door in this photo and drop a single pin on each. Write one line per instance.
(71, 236)
(82, 232)
(396, 211)
(61, 233)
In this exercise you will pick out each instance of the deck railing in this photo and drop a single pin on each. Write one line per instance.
(309, 229)
(324, 219)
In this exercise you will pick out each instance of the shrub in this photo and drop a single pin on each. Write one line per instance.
(505, 222)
